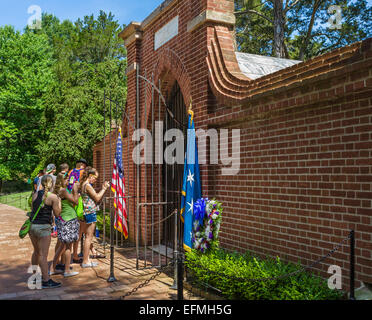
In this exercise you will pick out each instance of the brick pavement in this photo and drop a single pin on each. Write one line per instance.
(91, 283)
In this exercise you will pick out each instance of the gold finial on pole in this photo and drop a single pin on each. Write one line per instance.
(190, 110)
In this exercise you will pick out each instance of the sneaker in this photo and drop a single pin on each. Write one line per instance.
(89, 265)
(50, 284)
(70, 274)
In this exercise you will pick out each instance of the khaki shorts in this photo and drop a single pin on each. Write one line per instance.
(40, 230)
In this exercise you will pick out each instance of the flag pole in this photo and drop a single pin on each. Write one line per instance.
(112, 277)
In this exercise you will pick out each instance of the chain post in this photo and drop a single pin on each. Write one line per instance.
(352, 264)
(175, 252)
(179, 276)
(112, 249)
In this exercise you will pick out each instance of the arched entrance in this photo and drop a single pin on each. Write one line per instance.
(158, 182)
(175, 118)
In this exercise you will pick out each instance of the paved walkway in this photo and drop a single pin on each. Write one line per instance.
(91, 283)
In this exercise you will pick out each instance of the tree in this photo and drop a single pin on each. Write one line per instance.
(51, 90)
(299, 29)
(90, 59)
(25, 76)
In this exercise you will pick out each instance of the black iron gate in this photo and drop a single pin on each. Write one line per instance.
(153, 188)
(158, 183)
(173, 174)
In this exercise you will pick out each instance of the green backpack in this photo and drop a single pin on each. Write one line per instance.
(80, 209)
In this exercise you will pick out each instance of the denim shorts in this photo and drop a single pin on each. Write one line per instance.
(90, 218)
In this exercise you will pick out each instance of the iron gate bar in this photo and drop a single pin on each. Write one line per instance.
(128, 172)
(159, 190)
(111, 277)
(166, 198)
(145, 107)
(137, 167)
(117, 182)
(152, 169)
(104, 170)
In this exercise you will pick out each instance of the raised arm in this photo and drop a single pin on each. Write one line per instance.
(97, 197)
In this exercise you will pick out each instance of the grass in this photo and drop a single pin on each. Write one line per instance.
(18, 200)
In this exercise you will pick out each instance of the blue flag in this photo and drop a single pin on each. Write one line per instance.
(191, 188)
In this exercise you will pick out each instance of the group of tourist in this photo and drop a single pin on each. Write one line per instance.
(55, 200)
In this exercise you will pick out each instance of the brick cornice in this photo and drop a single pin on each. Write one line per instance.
(131, 33)
(232, 87)
(211, 16)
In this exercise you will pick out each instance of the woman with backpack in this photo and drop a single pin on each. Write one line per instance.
(46, 203)
(67, 224)
(90, 201)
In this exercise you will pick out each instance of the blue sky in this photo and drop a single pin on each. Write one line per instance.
(14, 12)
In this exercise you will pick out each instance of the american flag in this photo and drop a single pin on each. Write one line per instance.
(118, 188)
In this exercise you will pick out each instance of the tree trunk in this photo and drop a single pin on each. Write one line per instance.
(279, 50)
(305, 43)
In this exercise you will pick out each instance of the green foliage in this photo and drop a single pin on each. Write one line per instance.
(25, 76)
(52, 82)
(99, 223)
(90, 58)
(303, 39)
(227, 271)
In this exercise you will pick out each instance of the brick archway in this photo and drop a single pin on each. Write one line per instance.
(169, 68)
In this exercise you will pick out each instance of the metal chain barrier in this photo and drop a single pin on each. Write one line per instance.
(162, 220)
(171, 263)
(146, 282)
(282, 276)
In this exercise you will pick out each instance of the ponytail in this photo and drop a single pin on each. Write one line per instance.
(47, 183)
(59, 183)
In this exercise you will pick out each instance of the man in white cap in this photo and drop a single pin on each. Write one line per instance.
(49, 170)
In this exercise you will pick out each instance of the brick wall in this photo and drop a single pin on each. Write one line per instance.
(305, 169)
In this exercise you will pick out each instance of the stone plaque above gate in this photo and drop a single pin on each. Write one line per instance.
(167, 32)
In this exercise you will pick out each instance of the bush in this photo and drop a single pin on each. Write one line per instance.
(228, 271)
(15, 186)
(99, 223)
